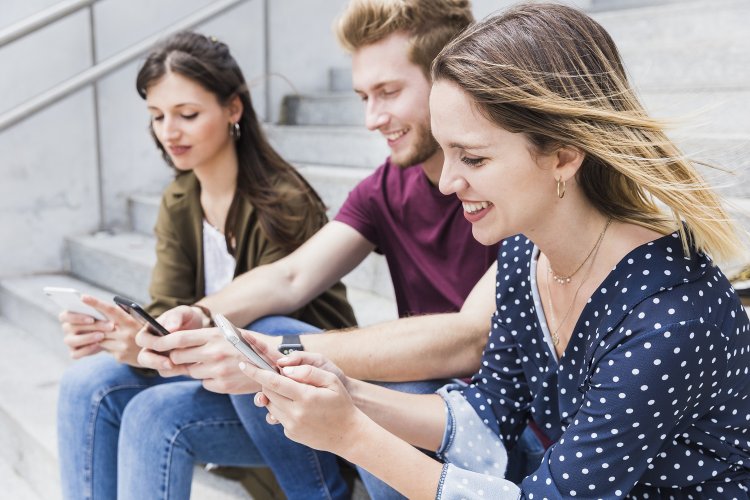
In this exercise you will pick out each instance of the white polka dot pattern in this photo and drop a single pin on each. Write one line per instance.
(651, 398)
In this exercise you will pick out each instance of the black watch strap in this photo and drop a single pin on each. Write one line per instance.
(290, 343)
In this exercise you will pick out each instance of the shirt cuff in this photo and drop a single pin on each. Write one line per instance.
(458, 483)
(468, 442)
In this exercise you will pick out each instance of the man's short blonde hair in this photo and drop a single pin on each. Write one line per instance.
(430, 24)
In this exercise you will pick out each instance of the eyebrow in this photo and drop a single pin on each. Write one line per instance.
(457, 145)
(182, 104)
(379, 85)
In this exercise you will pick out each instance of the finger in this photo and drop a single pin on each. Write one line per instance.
(83, 339)
(75, 318)
(310, 375)
(261, 346)
(76, 328)
(177, 318)
(271, 419)
(272, 382)
(181, 339)
(84, 351)
(151, 359)
(111, 311)
(297, 358)
(260, 400)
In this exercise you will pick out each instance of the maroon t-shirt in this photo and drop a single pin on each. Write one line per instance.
(433, 258)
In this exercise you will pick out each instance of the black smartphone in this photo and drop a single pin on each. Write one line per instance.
(139, 313)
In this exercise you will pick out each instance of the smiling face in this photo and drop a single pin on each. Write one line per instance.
(505, 189)
(396, 94)
(190, 123)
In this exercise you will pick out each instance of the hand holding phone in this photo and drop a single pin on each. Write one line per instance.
(235, 338)
(139, 314)
(69, 299)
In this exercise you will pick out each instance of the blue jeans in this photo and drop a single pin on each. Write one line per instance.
(126, 435)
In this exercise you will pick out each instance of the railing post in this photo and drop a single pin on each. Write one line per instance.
(99, 177)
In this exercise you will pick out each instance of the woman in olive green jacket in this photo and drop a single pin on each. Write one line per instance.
(234, 204)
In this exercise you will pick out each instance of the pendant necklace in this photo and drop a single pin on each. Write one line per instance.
(593, 253)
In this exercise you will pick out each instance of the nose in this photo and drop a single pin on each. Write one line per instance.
(375, 115)
(170, 129)
(451, 182)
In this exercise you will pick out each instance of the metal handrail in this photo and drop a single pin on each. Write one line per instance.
(91, 75)
(41, 19)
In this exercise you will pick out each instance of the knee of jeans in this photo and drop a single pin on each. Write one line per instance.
(88, 378)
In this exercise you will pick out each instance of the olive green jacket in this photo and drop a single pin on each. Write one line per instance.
(178, 275)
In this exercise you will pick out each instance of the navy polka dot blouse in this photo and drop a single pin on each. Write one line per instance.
(651, 398)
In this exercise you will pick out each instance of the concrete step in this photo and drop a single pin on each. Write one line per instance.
(23, 304)
(28, 437)
(123, 263)
(329, 145)
(335, 108)
(704, 111)
(317, 137)
(687, 64)
(120, 262)
(143, 209)
(13, 484)
(685, 21)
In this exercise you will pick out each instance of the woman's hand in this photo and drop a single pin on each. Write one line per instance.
(311, 403)
(85, 336)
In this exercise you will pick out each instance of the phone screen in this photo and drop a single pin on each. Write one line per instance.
(139, 314)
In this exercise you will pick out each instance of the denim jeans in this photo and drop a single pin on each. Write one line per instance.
(126, 435)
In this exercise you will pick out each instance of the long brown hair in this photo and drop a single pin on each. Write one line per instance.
(264, 178)
(553, 73)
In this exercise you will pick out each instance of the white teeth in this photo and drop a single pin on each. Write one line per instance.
(475, 207)
(395, 135)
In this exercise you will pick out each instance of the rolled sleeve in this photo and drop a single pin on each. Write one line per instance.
(475, 456)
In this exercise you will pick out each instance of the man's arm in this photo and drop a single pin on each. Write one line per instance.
(416, 348)
(292, 282)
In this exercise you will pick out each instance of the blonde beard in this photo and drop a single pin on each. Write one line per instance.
(424, 147)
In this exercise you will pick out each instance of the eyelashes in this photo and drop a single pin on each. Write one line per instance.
(473, 162)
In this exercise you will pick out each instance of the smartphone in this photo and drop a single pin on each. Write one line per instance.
(139, 313)
(69, 299)
(235, 338)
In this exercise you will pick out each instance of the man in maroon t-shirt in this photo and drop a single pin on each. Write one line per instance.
(443, 278)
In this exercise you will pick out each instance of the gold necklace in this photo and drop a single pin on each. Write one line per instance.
(564, 280)
(550, 272)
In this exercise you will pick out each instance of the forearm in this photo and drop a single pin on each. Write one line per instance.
(417, 348)
(403, 467)
(418, 419)
(263, 291)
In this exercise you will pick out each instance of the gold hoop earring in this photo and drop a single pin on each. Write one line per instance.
(560, 188)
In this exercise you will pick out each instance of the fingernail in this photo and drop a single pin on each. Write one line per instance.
(256, 399)
(242, 366)
(289, 370)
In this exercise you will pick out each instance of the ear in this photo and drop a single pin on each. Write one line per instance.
(566, 161)
(235, 108)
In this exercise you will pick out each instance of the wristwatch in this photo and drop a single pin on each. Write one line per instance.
(290, 343)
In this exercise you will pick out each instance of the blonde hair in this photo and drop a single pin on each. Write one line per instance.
(430, 24)
(554, 74)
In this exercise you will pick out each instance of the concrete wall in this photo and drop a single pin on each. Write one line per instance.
(49, 174)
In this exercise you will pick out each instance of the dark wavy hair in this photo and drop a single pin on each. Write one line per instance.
(261, 170)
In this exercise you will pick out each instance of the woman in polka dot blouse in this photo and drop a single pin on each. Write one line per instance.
(614, 331)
